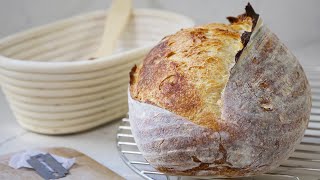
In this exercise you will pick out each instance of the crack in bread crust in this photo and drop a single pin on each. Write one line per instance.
(187, 72)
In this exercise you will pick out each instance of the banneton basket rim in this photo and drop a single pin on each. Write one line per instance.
(74, 66)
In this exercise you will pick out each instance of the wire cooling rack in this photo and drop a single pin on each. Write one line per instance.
(304, 164)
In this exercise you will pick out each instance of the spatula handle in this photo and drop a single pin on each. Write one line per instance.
(117, 19)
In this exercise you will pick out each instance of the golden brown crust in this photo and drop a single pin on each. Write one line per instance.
(186, 72)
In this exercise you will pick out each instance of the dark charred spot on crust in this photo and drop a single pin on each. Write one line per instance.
(170, 54)
(238, 55)
(92, 58)
(255, 60)
(131, 74)
(251, 13)
(195, 159)
(245, 37)
(232, 19)
(171, 43)
(297, 74)
(264, 85)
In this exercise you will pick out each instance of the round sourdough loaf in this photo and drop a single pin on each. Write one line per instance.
(219, 100)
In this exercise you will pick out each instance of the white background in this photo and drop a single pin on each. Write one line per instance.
(297, 22)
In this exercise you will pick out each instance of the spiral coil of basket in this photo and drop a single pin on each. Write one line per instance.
(303, 164)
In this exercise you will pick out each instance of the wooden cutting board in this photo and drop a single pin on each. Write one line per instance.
(85, 167)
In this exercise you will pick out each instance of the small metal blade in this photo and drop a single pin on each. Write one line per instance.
(47, 167)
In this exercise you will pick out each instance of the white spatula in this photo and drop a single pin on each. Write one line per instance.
(116, 21)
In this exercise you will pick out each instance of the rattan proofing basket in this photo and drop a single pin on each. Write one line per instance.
(52, 87)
